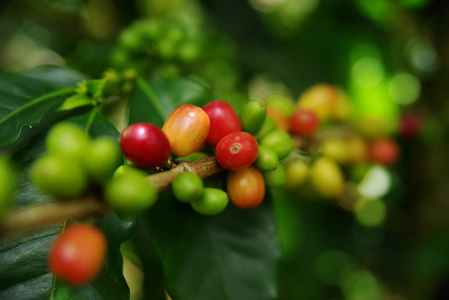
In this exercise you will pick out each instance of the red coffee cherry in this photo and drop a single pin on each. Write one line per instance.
(186, 128)
(77, 255)
(223, 121)
(237, 150)
(246, 187)
(304, 122)
(145, 145)
(384, 151)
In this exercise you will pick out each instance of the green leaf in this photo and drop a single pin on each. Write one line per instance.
(228, 256)
(23, 258)
(87, 93)
(26, 97)
(153, 101)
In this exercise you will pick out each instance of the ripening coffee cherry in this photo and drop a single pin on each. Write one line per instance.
(102, 158)
(130, 191)
(267, 159)
(67, 139)
(212, 202)
(275, 178)
(321, 99)
(282, 121)
(280, 103)
(304, 122)
(187, 187)
(77, 255)
(336, 149)
(223, 121)
(384, 151)
(237, 150)
(296, 173)
(280, 142)
(145, 145)
(186, 128)
(246, 187)
(59, 176)
(253, 115)
(327, 178)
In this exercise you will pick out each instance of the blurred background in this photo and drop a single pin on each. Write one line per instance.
(390, 56)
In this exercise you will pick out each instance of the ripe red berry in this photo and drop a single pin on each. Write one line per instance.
(384, 151)
(77, 255)
(145, 144)
(223, 121)
(304, 122)
(237, 150)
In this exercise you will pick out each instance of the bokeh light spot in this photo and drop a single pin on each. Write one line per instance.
(370, 212)
(375, 183)
(404, 88)
(368, 72)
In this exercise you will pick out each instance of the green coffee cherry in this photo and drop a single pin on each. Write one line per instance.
(59, 176)
(297, 172)
(281, 103)
(102, 159)
(252, 116)
(67, 139)
(267, 159)
(269, 125)
(279, 141)
(192, 157)
(213, 202)
(276, 177)
(130, 191)
(187, 187)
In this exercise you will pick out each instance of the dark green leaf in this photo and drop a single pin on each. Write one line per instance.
(26, 97)
(153, 101)
(23, 262)
(229, 256)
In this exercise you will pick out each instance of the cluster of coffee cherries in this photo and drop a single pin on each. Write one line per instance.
(73, 166)
(245, 144)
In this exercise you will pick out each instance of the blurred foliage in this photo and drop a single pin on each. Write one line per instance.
(391, 56)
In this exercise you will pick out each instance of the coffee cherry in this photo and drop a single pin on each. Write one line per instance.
(145, 145)
(280, 142)
(304, 123)
(223, 121)
(187, 187)
(130, 191)
(77, 255)
(253, 115)
(268, 126)
(280, 103)
(246, 187)
(327, 178)
(321, 99)
(102, 158)
(58, 176)
(296, 173)
(282, 121)
(276, 177)
(186, 128)
(336, 149)
(357, 149)
(67, 139)
(384, 151)
(212, 202)
(237, 150)
(267, 159)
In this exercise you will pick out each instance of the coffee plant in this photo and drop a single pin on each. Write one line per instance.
(172, 153)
